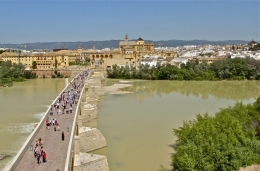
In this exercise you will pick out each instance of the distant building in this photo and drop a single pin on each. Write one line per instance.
(207, 59)
(43, 60)
(139, 45)
(129, 53)
(252, 43)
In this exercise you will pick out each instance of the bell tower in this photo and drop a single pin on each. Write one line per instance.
(126, 37)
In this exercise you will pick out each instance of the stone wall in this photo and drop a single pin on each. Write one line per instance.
(90, 162)
(90, 139)
(89, 115)
(49, 73)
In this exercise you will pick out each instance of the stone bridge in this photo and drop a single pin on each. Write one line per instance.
(81, 134)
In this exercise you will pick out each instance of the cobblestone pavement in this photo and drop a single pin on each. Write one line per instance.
(55, 148)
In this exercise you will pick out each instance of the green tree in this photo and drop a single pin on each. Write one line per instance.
(226, 69)
(227, 141)
(34, 65)
(8, 64)
(13, 72)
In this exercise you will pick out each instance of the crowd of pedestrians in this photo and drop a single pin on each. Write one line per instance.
(39, 151)
(65, 104)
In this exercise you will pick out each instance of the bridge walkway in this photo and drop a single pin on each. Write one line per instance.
(56, 149)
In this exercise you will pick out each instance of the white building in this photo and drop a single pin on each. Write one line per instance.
(181, 60)
(150, 60)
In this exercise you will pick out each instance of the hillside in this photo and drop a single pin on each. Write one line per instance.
(114, 44)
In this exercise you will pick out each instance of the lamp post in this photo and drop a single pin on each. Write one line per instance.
(18, 51)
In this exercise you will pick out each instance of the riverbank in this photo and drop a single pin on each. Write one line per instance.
(198, 70)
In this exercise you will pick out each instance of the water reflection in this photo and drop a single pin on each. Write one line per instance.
(228, 90)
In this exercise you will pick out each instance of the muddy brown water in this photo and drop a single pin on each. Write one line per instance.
(138, 127)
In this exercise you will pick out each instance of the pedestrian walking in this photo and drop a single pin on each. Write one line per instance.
(41, 143)
(62, 136)
(38, 157)
(35, 151)
(50, 122)
(47, 121)
(58, 127)
(44, 157)
(41, 150)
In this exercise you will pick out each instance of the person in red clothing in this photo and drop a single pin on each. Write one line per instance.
(44, 156)
(47, 121)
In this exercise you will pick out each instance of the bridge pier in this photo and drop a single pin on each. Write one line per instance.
(90, 162)
(89, 137)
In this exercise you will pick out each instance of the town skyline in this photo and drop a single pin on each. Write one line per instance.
(73, 21)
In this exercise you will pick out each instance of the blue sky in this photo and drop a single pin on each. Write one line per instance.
(54, 21)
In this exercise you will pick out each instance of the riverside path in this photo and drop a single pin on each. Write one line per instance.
(55, 148)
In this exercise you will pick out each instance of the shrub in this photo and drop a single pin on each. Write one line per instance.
(226, 141)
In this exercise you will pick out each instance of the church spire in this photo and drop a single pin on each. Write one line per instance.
(126, 37)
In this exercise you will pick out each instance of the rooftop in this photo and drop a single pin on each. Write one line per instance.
(139, 39)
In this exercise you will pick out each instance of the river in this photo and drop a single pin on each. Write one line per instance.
(22, 106)
(139, 127)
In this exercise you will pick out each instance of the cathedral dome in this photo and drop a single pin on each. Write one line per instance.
(139, 39)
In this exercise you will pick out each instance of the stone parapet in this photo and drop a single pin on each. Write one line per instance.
(98, 75)
(90, 162)
(89, 115)
(92, 100)
(76, 145)
(91, 139)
